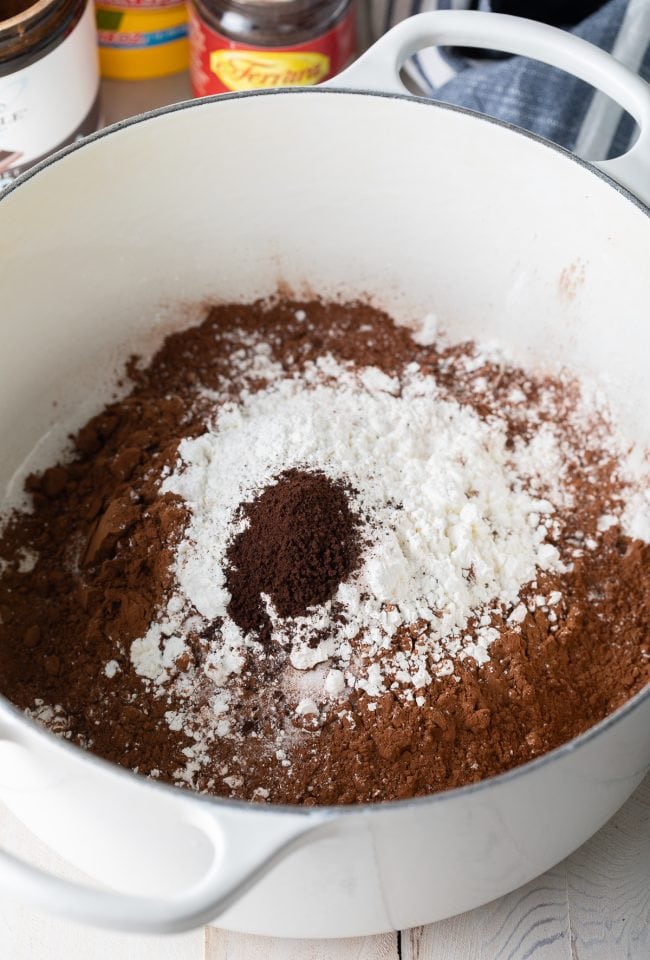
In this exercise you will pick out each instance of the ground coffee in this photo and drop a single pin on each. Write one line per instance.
(90, 571)
(301, 542)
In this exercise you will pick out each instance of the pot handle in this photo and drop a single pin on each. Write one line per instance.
(247, 855)
(378, 70)
(245, 849)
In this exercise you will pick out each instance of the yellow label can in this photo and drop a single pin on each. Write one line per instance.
(137, 42)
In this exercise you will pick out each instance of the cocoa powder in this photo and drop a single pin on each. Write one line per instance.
(104, 539)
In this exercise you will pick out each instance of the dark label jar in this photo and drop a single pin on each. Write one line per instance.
(49, 79)
(268, 43)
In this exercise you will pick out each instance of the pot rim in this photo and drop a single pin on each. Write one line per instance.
(327, 811)
(318, 91)
(127, 775)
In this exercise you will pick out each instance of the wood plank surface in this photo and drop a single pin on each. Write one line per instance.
(532, 922)
(593, 906)
(222, 945)
(608, 887)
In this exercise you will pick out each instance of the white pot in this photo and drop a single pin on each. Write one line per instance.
(429, 208)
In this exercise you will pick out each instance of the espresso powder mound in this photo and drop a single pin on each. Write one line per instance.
(301, 542)
(89, 569)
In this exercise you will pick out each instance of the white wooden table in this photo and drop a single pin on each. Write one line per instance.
(593, 906)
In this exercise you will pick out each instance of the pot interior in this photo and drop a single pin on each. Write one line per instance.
(422, 208)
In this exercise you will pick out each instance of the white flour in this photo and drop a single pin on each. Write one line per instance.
(456, 524)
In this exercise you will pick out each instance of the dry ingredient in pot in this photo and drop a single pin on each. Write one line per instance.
(299, 543)
(316, 557)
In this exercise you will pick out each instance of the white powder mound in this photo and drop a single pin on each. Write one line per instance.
(155, 654)
(456, 522)
(636, 516)
(427, 331)
(111, 669)
(27, 561)
(635, 470)
(52, 717)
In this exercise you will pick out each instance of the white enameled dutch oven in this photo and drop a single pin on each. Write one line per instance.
(345, 191)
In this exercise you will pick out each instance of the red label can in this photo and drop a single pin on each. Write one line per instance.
(219, 64)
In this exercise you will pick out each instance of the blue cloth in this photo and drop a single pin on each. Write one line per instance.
(524, 92)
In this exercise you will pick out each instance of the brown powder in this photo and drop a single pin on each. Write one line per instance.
(105, 538)
(538, 690)
(301, 542)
